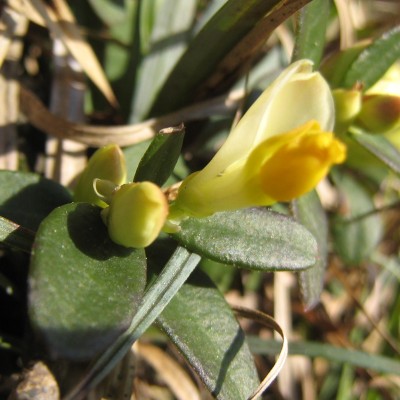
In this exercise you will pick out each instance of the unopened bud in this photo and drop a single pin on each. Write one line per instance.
(347, 107)
(136, 214)
(380, 113)
(107, 163)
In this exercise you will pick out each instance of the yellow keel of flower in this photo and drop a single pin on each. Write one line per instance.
(280, 168)
(297, 167)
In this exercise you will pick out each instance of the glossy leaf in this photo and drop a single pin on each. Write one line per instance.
(311, 29)
(84, 289)
(159, 161)
(27, 198)
(309, 212)
(374, 60)
(194, 320)
(252, 238)
(380, 147)
(355, 235)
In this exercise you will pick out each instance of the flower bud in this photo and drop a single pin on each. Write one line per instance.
(106, 163)
(380, 113)
(136, 214)
(347, 107)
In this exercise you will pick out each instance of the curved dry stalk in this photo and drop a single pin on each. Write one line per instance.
(125, 135)
(268, 321)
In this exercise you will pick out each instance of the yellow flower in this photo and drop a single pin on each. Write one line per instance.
(279, 150)
(136, 214)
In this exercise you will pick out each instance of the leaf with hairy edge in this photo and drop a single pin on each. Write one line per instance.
(309, 212)
(212, 342)
(84, 289)
(374, 60)
(27, 198)
(253, 238)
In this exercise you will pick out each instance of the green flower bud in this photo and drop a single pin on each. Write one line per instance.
(380, 113)
(347, 107)
(107, 163)
(136, 214)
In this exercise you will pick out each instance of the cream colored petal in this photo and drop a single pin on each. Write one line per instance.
(295, 97)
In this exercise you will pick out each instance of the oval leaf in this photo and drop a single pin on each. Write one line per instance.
(201, 324)
(84, 289)
(252, 238)
(27, 198)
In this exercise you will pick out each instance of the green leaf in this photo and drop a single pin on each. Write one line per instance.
(27, 198)
(201, 324)
(335, 67)
(84, 289)
(357, 358)
(169, 37)
(16, 236)
(355, 235)
(374, 60)
(133, 155)
(252, 238)
(157, 296)
(161, 157)
(110, 12)
(311, 29)
(228, 27)
(309, 212)
(380, 147)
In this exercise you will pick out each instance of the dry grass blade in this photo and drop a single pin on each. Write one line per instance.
(124, 135)
(25, 8)
(11, 48)
(169, 370)
(12, 24)
(268, 321)
(347, 32)
(61, 22)
(66, 158)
